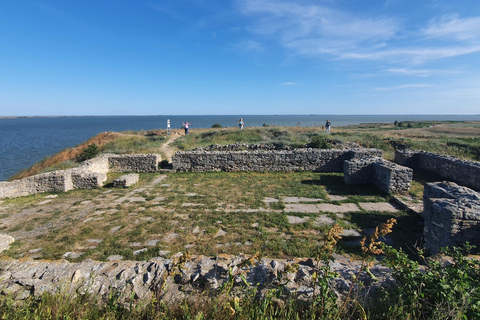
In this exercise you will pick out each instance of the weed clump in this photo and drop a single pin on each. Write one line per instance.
(91, 151)
(320, 142)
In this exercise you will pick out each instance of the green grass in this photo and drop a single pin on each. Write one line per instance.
(206, 202)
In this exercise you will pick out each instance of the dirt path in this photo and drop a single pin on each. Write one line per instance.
(166, 149)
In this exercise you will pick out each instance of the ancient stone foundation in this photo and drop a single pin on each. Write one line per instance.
(89, 174)
(319, 160)
(452, 216)
(385, 175)
(134, 163)
(126, 180)
(133, 281)
(463, 172)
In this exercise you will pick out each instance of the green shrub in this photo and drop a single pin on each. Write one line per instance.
(91, 151)
(216, 125)
(448, 290)
(320, 143)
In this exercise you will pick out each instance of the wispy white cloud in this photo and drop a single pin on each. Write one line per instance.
(290, 84)
(422, 72)
(405, 86)
(412, 55)
(454, 27)
(314, 29)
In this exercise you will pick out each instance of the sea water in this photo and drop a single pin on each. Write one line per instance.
(25, 141)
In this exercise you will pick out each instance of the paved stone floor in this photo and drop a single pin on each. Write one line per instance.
(145, 205)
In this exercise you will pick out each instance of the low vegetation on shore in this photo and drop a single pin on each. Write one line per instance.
(460, 139)
(274, 214)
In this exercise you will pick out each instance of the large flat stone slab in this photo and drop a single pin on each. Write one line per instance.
(301, 207)
(322, 207)
(297, 220)
(323, 220)
(334, 197)
(300, 199)
(378, 206)
(344, 207)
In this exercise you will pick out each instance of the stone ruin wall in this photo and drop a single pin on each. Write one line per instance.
(134, 163)
(452, 216)
(360, 166)
(57, 181)
(385, 175)
(463, 172)
(89, 175)
(320, 160)
(451, 209)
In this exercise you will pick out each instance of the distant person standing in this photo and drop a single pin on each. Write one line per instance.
(240, 123)
(186, 125)
(328, 124)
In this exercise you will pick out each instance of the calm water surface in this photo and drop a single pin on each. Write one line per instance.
(25, 141)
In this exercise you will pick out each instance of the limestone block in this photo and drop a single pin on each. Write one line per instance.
(5, 241)
(126, 180)
(452, 216)
(88, 180)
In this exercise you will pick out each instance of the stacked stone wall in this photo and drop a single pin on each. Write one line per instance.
(385, 175)
(320, 160)
(392, 178)
(88, 180)
(134, 163)
(452, 216)
(56, 181)
(358, 171)
(89, 174)
(463, 172)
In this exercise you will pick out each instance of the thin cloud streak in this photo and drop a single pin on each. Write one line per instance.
(405, 86)
(413, 55)
(422, 72)
(453, 27)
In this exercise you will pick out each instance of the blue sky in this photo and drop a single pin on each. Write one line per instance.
(118, 57)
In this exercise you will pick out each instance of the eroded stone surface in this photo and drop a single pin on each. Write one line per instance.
(141, 279)
(300, 199)
(5, 242)
(297, 220)
(378, 206)
(334, 197)
(344, 207)
(300, 207)
(323, 220)
(269, 200)
(115, 257)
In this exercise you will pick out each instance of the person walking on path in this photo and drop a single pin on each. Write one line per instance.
(240, 123)
(186, 125)
(328, 124)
